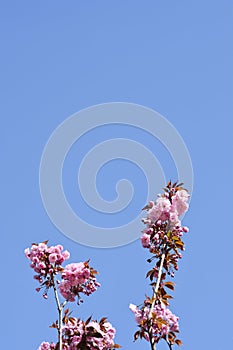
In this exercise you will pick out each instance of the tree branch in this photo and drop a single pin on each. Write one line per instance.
(155, 291)
(60, 309)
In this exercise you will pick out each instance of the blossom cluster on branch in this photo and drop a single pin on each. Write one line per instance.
(162, 236)
(71, 281)
(163, 320)
(78, 278)
(89, 334)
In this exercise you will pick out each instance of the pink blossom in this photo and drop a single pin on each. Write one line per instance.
(55, 249)
(160, 210)
(174, 219)
(46, 346)
(41, 265)
(138, 313)
(66, 255)
(52, 257)
(77, 278)
(145, 239)
(180, 202)
(154, 213)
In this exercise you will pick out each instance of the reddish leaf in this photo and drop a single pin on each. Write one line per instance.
(179, 244)
(149, 273)
(88, 320)
(45, 242)
(171, 338)
(65, 319)
(72, 320)
(66, 311)
(103, 320)
(169, 285)
(136, 335)
(53, 326)
(178, 342)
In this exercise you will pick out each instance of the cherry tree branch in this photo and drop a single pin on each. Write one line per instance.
(161, 235)
(155, 291)
(60, 309)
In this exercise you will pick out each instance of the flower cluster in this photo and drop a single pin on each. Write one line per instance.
(44, 259)
(88, 335)
(78, 278)
(46, 262)
(163, 320)
(163, 225)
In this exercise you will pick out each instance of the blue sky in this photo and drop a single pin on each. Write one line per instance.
(175, 57)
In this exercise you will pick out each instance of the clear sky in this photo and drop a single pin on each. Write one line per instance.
(58, 57)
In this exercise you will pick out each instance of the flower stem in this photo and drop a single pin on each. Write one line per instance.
(155, 291)
(169, 344)
(60, 309)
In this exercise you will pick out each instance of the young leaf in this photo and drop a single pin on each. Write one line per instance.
(169, 285)
(66, 311)
(88, 320)
(72, 320)
(136, 335)
(45, 242)
(178, 342)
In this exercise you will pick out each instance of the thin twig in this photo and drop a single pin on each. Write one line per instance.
(155, 291)
(169, 344)
(60, 309)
